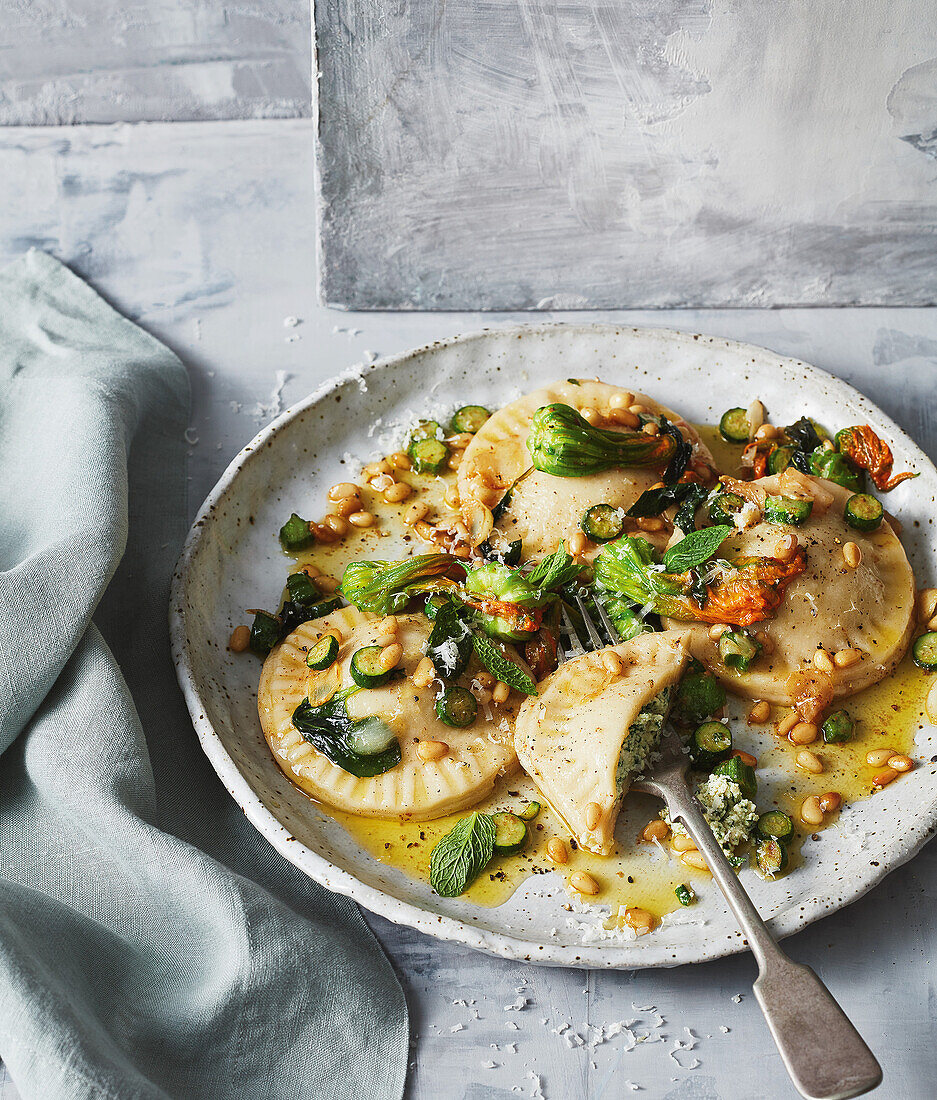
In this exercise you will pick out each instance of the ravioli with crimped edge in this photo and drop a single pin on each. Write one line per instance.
(544, 510)
(594, 725)
(416, 788)
(866, 611)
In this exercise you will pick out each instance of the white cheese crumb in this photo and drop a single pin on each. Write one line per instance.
(291, 322)
(457, 1027)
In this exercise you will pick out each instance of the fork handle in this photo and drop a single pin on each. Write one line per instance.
(824, 1054)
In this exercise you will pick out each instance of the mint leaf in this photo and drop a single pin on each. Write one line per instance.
(558, 568)
(462, 854)
(696, 548)
(449, 645)
(501, 667)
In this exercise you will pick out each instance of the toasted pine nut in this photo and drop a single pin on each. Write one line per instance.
(621, 400)
(593, 814)
(746, 757)
(650, 428)
(900, 763)
(926, 604)
(500, 693)
(362, 519)
(930, 703)
(240, 639)
(455, 460)
(327, 583)
(638, 409)
(809, 761)
(556, 850)
(650, 523)
(485, 679)
(717, 630)
(877, 757)
(640, 920)
(400, 460)
(932, 623)
(424, 673)
(810, 812)
(846, 658)
(345, 506)
(324, 533)
(766, 431)
(583, 883)
(398, 492)
(852, 555)
(337, 523)
(611, 661)
(452, 496)
(415, 513)
(386, 639)
(682, 843)
(786, 547)
(755, 415)
(342, 490)
(694, 859)
(382, 482)
(589, 415)
(460, 440)
(625, 418)
(785, 725)
(389, 657)
(577, 543)
(390, 624)
(823, 661)
(883, 778)
(804, 733)
(432, 750)
(656, 830)
(830, 802)
(758, 715)
(382, 466)
(311, 570)
(482, 695)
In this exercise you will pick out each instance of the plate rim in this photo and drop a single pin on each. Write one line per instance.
(612, 955)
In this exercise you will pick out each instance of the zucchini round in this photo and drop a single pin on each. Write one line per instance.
(429, 456)
(469, 418)
(530, 811)
(510, 833)
(725, 507)
(602, 523)
(787, 510)
(370, 736)
(737, 650)
(365, 669)
(770, 856)
(712, 742)
(779, 459)
(863, 512)
(775, 825)
(432, 606)
(924, 651)
(322, 655)
(734, 427)
(457, 707)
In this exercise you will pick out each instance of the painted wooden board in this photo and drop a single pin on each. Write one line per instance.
(488, 154)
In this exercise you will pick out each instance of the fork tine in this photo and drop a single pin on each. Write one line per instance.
(610, 627)
(594, 636)
(574, 646)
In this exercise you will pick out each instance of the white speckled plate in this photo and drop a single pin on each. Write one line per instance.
(232, 560)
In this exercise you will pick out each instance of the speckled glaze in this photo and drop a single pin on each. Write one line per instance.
(232, 560)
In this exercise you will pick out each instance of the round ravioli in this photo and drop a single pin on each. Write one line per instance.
(590, 730)
(830, 606)
(415, 788)
(543, 509)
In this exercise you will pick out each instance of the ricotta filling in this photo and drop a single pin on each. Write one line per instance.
(730, 814)
(643, 738)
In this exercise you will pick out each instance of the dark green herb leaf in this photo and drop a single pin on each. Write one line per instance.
(501, 667)
(265, 633)
(501, 507)
(559, 568)
(328, 729)
(462, 854)
(449, 645)
(676, 468)
(654, 502)
(697, 547)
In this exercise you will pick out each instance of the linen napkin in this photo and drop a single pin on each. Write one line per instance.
(151, 943)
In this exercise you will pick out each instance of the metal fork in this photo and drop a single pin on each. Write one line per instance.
(824, 1054)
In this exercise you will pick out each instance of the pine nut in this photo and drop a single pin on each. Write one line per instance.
(804, 733)
(823, 661)
(398, 492)
(362, 519)
(852, 555)
(323, 532)
(593, 814)
(424, 673)
(343, 490)
(625, 418)
(389, 657)
(846, 658)
(583, 883)
(382, 482)
(455, 460)
(452, 496)
(656, 830)
(611, 661)
(327, 583)
(766, 431)
(809, 761)
(830, 802)
(758, 715)
(930, 703)
(482, 695)
(500, 693)
(386, 639)
(400, 460)
(877, 757)
(755, 415)
(650, 523)
(577, 543)
(589, 415)
(485, 679)
(311, 570)
(415, 513)
(900, 763)
(717, 630)
(460, 440)
(650, 428)
(695, 860)
(883, 778)
(785, 725)
(640, 920)
(240, 639)
(926, 604)
(621, 400)
(556, 850)
(638, 409)
(430, 751)
(681, 843)
(345, 506)
(932, 623)
(390, 624)
(746, 757)
(810, 812)
(337, 524)
(786, 547)
(382, 466)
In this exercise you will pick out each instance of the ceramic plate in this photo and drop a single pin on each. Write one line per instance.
(231, 560)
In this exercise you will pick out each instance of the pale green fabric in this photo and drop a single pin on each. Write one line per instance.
(151, 943)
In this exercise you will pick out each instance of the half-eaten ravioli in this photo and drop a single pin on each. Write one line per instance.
(416, 788)
(589, 731)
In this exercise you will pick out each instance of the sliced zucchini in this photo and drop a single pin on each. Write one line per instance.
(469, 418)
(775, 825)
(737, 649)
(787, 510)
(602, 523)
(725, 507)
(780, 458)
(712, 742)
(837, 728)
(530, 811)
(425, 429)
(770, 856)
(739, 772)
(863, 512)
(370, 736)
(429, 456)
(924, 651)
(365, 668)
(457, 707)
(265, 633)
(685, 894)
(734, 427)
(510, 834)
(322, 655)
(296, 534)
